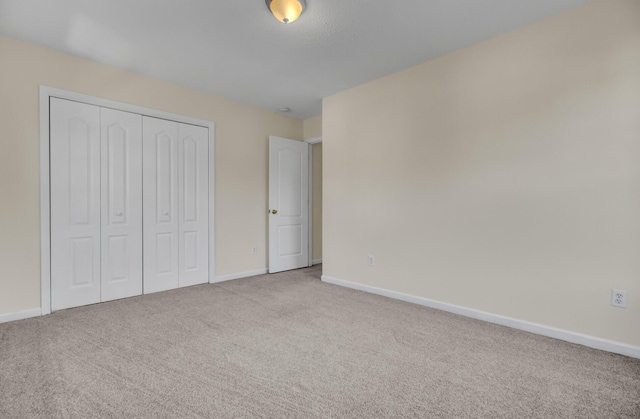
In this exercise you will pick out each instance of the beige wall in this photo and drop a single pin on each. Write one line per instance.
(504, 177)
(317, 202)
(241, 146)
(312, 128)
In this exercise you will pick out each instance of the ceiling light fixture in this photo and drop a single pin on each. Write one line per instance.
(286, 11)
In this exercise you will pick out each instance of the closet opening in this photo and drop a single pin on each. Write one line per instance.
(127, 200)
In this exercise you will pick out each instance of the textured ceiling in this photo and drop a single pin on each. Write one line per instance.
(236, 49)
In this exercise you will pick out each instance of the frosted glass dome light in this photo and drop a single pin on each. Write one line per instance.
(286, 11)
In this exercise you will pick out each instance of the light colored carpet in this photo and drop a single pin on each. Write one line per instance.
(287, 345)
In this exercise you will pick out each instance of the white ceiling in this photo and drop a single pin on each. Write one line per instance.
(236, 49)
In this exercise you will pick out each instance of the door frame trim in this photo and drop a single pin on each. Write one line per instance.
(45, 218)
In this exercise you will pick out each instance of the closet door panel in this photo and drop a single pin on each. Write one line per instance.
(160, 203)
(75, 203)
(121, 232)
(194, 203)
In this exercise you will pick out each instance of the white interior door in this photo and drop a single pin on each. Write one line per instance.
(193, 199)
(160, 200)
(75, 203)
(288, 204)
(176, 203)
(121, 233)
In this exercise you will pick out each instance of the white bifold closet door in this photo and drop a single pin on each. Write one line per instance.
(96, 204)
(121, 232)
(175, 199)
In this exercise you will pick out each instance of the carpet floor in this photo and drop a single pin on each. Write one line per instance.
(288, 345)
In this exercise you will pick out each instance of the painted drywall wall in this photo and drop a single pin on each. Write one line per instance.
(241, 146)
(312, 128)
(317, 202)
(503, 177)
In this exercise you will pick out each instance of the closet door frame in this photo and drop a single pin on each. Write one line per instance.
(45, 219)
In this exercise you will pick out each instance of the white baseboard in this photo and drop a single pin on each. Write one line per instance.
(223, 278)
(19, 315)
(316, 261)
(566, 335)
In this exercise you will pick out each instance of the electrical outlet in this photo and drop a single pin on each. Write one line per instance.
(254, 249)
(619, 298)
(372, 260)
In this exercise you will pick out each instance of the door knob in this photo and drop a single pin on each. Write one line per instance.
(119, 213)
(274, 211)
(166, 213)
